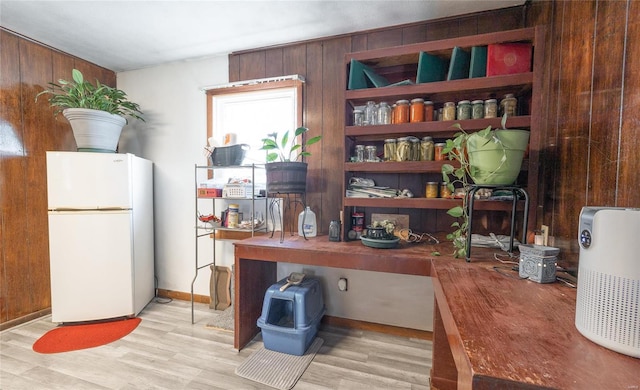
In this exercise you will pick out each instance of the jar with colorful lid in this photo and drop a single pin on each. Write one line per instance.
(464, 110)
(449, 111)
(431, 190)
(417, 110)
(438, 153)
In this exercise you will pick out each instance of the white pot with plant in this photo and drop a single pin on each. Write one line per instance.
(97, 113)
(486, 157)
(285, 174)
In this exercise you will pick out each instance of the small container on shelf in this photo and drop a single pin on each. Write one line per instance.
(416, 113)
(439, 154)
(358, 117)
(509, 105)
(370, 113)
(415, 149)
(426, 149)
(491, 108)
(444, 191)
(403, 149)
(370, 153)
(431, 189)
(449, 111)
(390, 149)
(384, 114)
(464, 110)
(402, 111)
(428, 111)
(359, 153)
(477, 109)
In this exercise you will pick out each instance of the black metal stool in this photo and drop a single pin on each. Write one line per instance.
(289, 201)
(515, 190)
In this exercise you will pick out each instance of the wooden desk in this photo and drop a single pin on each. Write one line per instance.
(495, 332)
(256, 259)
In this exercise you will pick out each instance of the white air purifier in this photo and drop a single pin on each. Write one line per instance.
(608, 300)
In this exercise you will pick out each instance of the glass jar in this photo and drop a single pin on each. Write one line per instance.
(428, 111)
(334, 230)
(417, 110)
(477, 109)
(403, 149)
(384, 114)
(359, 153)
(431, 190)
(449, 111)
(426, 149)
(358, 117)
(390, 149)
(371, 153)
(438, 152)
(444, 191)
(402, 111)
(490, 108)
(509, 105)
(415, 149)
(464, 110)
(370, 113)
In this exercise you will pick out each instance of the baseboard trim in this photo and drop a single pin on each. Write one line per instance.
(328, 320)
(380, 328)
(183, 296)
(27, 318)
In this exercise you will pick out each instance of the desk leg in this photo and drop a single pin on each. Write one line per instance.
(444, 374)
(252, 278)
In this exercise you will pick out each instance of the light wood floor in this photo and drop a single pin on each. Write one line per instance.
(167, 352)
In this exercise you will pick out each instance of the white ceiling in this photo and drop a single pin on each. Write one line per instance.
(125, 35)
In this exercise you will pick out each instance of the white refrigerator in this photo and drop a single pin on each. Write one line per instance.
(100, 235)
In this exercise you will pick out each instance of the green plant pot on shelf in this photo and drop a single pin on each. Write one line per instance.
(497, 162)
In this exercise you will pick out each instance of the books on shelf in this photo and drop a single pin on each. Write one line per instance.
(430, 68)
(459, 65)
(508, 58)
(478, 62)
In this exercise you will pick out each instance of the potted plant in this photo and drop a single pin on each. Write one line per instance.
(381, 235)
(285, 174)
(96, 112)
(487, 157)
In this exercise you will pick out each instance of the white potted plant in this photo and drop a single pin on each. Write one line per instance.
(285, 174)
(96, 112)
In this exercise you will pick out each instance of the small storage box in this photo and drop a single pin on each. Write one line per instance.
(290, 318)
(538, 263)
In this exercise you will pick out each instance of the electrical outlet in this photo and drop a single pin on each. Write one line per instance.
(342, 284)
(545, 234)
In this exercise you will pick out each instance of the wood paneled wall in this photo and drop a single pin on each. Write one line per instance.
(321, 62)
(591, 96)
(28, 129)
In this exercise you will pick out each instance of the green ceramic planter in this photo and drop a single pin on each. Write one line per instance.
(486, 155)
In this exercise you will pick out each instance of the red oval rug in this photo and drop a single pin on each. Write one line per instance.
(74, 337)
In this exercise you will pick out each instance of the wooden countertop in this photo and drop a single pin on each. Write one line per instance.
(506, 332)
(411, 259)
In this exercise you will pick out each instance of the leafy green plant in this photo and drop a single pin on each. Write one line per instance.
(462, 177)
(79, 93)
(283, 149)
